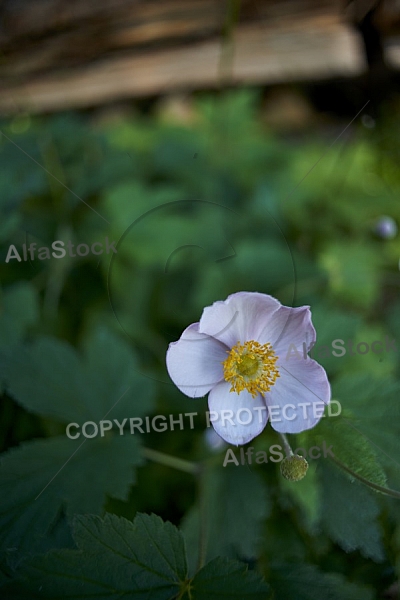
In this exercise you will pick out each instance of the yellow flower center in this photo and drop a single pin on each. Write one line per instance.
(251, 366)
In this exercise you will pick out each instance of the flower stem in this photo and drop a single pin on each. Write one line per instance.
(170, 461)
(197, 470)
(379, 488)
(203, 525)
(286, 445)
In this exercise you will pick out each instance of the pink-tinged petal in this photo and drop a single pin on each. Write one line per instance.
(237, 418)
(288, 330)
(194, 362)
(239, 318)
(300, 381)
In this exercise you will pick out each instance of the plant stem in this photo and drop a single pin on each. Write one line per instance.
(203, 525)
(286, 445)
(194, 469)
(227, 46)
(374, 486)
(170, 461)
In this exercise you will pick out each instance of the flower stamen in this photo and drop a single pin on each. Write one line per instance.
(251, 366)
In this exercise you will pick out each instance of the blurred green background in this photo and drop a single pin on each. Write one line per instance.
(200, 206)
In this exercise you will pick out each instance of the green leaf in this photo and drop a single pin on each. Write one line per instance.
(128, 202)
(307, 582)
(375, 413)
(19, 309)
(350, 514)
(350, 447)
(44, 478)
(353, 271)
(236, 502)
(115, 558)
(153, 541)
(9, 224)
(57, 383)
(143, 559)
(222, 579)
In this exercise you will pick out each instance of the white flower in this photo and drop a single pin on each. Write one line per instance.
(238, 352)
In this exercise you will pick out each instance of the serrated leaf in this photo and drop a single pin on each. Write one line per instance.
(350, 447)
(148, 543)
(375, 413)
(350, 514)
(221, 579)
(44, 478)
(57, 383)
(125, 561)
(135, 560)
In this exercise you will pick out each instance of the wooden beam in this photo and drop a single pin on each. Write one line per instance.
(306, 48)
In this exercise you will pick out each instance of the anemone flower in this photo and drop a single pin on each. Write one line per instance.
(239, 353)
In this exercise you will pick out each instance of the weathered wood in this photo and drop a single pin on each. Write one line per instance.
(57, 54)
(317, 48)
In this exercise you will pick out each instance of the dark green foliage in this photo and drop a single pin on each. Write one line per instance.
(145, 559)
(197, 211)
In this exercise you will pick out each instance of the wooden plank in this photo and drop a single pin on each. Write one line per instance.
(39, 39)
(24, 19)
(291, 49)
(41, 21)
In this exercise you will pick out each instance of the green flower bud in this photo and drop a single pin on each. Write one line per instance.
(294, 468)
